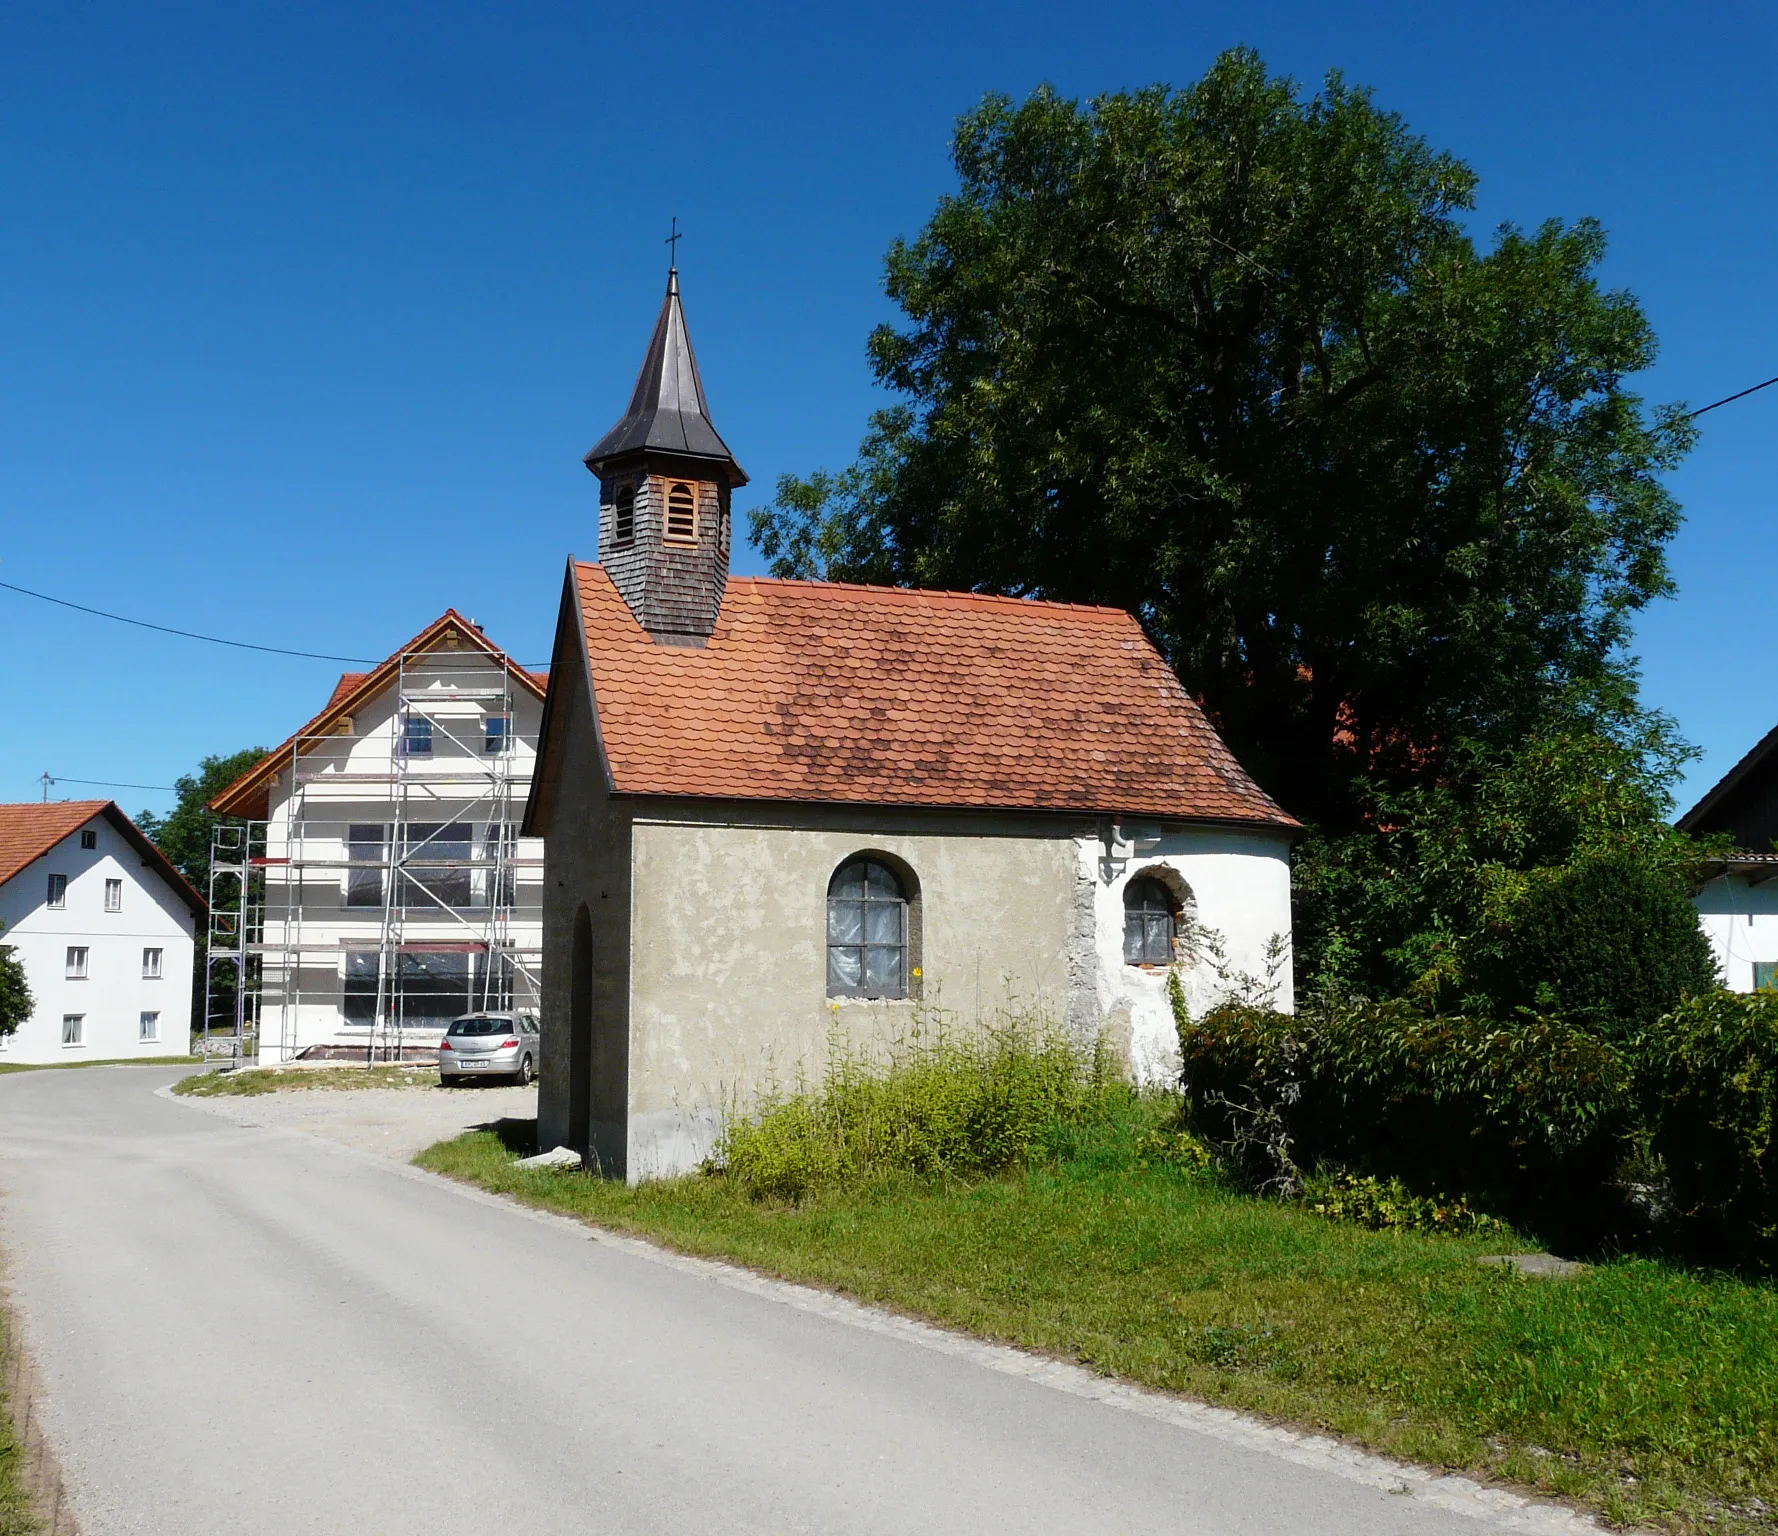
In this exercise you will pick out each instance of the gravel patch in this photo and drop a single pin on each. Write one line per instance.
(393, 1122)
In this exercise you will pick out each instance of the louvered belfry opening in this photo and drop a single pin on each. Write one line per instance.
(665, 476)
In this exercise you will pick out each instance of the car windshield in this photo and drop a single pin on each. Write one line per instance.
(481, 1026)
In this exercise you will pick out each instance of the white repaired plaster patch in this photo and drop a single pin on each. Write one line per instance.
(1234, 883)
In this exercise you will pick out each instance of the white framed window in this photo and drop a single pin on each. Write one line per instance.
(73, 1028)
(114, 895)
(58, 890)
(148, 1028)
(75, 967)
(494, 734)
(89, 839)
(151, 965)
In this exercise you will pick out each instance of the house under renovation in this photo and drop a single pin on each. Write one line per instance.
(779, 811)
(368, 884)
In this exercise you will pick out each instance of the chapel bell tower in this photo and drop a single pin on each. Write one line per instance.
(664, 483)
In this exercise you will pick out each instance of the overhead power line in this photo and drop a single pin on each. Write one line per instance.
(186, 634)
(56, 778)
(239, 645)
(1726, 399)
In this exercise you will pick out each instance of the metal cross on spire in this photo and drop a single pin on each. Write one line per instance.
(672, 242)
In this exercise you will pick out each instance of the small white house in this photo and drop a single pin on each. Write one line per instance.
(1738, 902)
(103, 924)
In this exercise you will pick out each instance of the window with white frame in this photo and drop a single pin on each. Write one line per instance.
(151, 965)
(74, 968)
(1765, 975)
(494, 735)
(148, 1028)
(114, 895)
(89, 838)
(416, 737)
(58, 890)
(73, 1027)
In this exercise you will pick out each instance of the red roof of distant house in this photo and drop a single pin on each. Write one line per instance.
(29, 831)
(892, 696)
(250, 793)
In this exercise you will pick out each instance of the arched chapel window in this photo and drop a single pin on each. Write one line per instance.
(867, 931)
(1149, 923)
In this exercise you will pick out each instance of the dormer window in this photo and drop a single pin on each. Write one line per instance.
(623, 515)
(682, 513)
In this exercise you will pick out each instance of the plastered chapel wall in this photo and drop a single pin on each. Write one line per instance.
(728, 987)
(1237, 885)
(586, 860)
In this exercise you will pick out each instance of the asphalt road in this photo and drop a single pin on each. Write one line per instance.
(244, 1329)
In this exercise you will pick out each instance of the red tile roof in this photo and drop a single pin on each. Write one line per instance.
(891, 696)
(29, 831)
(249, 794)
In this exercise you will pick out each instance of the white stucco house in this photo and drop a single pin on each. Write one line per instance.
(1738, 902)
(774, 812)
(104, 926)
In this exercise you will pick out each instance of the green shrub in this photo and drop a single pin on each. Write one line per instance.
(1612, 943)
(1530, 1116)
(1388, 1205)
(1708, 1082)
(963, 1102)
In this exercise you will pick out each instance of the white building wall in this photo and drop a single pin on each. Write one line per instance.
(351, 779)
(114, 994)
(1236, 885)
(1740, 918)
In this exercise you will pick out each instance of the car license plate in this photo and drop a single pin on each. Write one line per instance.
(467, 1063)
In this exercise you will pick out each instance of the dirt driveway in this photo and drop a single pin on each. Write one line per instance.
(395, 1122)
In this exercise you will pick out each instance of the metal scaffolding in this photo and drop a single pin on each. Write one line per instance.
(386, 887)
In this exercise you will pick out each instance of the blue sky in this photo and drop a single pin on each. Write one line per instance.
(308, 312)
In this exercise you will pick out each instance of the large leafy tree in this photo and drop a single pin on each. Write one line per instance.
(183, 834)
(1227, 357)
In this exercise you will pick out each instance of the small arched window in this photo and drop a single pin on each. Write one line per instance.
(867, 931)
(1150, 923)
(682, 514)
(623, 522)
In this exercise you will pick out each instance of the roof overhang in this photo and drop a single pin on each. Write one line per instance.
(250, 794)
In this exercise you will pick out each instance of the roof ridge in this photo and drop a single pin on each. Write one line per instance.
(948, 594)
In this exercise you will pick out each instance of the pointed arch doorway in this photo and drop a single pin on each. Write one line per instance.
(580, 1035)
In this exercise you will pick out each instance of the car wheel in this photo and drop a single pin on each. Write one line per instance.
(524, 1073)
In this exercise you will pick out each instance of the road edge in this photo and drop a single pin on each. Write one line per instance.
(47, 1499)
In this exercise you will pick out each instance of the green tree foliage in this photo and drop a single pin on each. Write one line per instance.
(1709, 1079)
(16, 1001)
(1227, 357)
(1444, 894)
(1612, 942)
(183, 834)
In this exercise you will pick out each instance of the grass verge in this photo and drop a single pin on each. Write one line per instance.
(117, 1061)
(212, 1085)
(15, 1505)
(1644, 1392)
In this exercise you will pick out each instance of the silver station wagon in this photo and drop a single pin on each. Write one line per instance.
(490, 1045)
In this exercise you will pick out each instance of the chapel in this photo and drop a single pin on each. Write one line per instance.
(776, 813)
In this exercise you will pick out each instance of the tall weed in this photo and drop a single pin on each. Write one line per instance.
(941, 1099)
